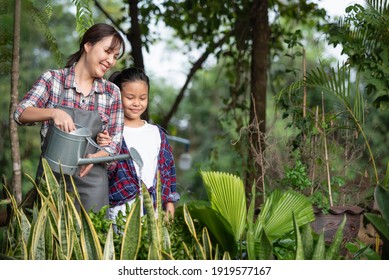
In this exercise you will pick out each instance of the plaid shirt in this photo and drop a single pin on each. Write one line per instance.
(47, 90)
(123, 179)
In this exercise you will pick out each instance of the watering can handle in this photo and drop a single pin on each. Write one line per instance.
(94, 144)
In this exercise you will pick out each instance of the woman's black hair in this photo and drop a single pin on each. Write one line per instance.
(94, 34)
(131, 74)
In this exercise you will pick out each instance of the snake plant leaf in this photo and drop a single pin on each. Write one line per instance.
(263, 247)
(154, 236)
(308, 241)
(167, 256)
(250, 239)
(226, 256)
(25, 227)
(187, 251)
(189, 221)
(332, 252)
(250, 234)
(319, 253)
(64, 234)
(299, 241)
(77, 250)
(109, 248)
(52, 187)
(37, 247)
(166, 242)
(132, 233)
(73, 213)
(90, 243)
(207, 244)
(200, 254)
(20, 231)
(49, 240)
(227, 196)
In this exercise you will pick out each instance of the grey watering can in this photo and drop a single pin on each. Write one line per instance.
(66, 151)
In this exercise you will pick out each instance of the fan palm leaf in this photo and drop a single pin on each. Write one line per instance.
(276, 217)
(227, 196)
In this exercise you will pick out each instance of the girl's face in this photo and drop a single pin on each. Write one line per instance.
(100, 57)
(135, 99)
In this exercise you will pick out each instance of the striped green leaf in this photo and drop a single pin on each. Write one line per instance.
(132, 233)
(109, 248)
(90, 243)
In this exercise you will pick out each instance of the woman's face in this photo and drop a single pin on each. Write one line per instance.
(135, 99)
(100, 57)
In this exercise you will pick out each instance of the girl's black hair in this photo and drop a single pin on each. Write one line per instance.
(94, 34)
(131, 74)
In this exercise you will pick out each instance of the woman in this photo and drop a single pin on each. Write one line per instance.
(150, 142)
(79, 94)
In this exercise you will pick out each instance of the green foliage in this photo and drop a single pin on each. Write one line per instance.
(42, 16)
(55, 229)
(361, 251)
(336, 136)
(364, 38)
(297, 178)
(258, 233)
(84, 15)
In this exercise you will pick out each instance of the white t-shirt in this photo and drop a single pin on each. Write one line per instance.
(147, 141)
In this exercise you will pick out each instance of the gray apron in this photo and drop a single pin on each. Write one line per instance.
(92, 188)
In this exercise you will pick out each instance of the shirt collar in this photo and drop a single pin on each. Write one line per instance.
(70, 81)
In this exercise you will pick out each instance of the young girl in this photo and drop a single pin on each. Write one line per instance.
(79, 94)
(151, 143)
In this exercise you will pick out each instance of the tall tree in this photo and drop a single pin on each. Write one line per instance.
(259, 65)
(14, 137)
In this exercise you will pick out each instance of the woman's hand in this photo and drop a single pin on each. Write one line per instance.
(103, 138)
(84, 169)
(63, 120)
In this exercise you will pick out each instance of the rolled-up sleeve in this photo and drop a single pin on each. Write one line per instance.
(37, 96)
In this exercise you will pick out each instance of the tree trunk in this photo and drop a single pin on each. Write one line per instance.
(16, 168)
(134, 35)
(259, 66)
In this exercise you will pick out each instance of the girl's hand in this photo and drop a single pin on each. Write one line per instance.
(169, 214)
(103, 138)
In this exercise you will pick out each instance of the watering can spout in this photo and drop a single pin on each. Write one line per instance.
(83, 161)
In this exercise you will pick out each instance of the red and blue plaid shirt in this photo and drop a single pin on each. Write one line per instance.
(49, 87)
(123, 179)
